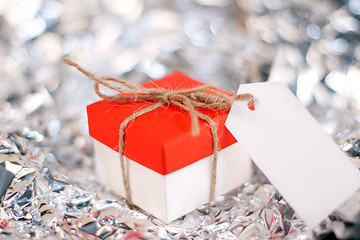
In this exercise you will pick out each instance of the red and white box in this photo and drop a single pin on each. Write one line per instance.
(168, 168)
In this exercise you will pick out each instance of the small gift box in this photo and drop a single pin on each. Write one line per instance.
(168, 168)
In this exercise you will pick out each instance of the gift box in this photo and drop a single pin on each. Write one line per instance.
(168, 168)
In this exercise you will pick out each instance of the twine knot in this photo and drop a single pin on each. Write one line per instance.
(169, 98)
(203, 97)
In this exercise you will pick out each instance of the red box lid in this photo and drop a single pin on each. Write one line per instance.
(162, 139)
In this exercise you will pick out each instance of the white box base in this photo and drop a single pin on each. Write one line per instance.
(171, 196)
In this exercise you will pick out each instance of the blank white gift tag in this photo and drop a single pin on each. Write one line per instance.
(293, 151)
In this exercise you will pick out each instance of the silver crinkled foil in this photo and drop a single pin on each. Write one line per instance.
(48, 189)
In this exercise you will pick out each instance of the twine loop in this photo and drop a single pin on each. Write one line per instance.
(202, 97)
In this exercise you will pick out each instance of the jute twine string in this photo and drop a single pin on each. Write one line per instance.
(203, 97)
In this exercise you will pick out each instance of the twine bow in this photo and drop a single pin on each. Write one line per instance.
(203, 97)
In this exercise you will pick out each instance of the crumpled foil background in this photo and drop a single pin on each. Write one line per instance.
(47, 185)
